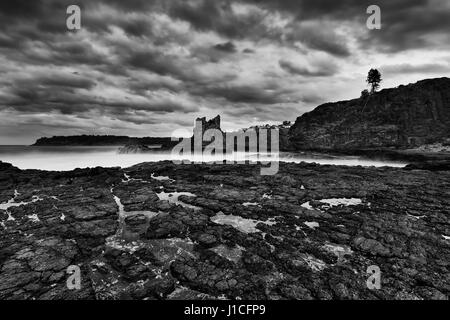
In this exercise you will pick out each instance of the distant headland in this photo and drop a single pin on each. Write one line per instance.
(104, 140)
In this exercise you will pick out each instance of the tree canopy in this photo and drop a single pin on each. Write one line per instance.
(374, 79)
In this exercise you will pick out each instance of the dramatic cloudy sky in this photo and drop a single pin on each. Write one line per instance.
(147, 68)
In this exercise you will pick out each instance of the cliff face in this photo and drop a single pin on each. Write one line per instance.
(404, 117)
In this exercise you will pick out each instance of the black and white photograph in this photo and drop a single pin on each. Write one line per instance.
(225, 154)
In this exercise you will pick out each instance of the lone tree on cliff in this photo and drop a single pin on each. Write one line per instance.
(374, 79)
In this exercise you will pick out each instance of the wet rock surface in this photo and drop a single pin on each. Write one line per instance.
(224, 231)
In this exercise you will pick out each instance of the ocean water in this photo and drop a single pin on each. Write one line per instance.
(69, 158)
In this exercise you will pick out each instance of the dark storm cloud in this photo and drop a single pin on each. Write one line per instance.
(244, 94)
(339, 10)
(406, 24)
(156, 62)
(323, 69)
(69, 94)
(220, 17)
(416, 27)
(175, 57)
(21, 8)
(34, 99)
(319, 36)
(9, 42)
(172, 66)
(408, 68)
(226, 47)
(217, 16)
(68, 53)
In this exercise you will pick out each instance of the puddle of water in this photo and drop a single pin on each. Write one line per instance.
(416, 217)
(306, 205)
(173, 198)
(334, 202)
(123, 214)
(232, 254)
(34, 218)
(341, 201)
(123, 233)
(247, 204)
(120, 205)
(11, 203)
(128, 179)
(10, 217)
(242, 224)
(118, 243)
(338, 250)
(312, 224)
(164, 248)
(161, 178)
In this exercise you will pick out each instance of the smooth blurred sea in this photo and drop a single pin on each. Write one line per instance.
(69, 158)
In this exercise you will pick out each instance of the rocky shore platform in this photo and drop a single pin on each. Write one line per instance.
(165, 231)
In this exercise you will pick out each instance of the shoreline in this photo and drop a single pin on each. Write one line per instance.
(417, 154)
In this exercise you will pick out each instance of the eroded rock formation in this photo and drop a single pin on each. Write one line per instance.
(162, 231)
(404, 117)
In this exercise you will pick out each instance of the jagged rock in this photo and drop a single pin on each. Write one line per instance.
(134, 148)
(136, 220)
(357, 217)
(371, 246)
(160, 287)
(404, 117)
(207, 239)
